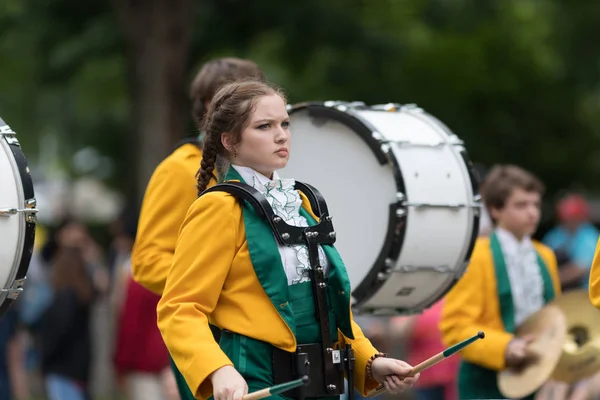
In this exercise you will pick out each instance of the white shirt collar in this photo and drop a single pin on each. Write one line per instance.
(510, 244)
(248, 174)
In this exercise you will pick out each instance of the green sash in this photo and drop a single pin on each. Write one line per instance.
(474, 381)
(295, 303)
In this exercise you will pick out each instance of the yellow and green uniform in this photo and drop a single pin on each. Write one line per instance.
(236, 281)
(482, 301)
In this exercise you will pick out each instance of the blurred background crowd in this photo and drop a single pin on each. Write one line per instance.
(98, 93)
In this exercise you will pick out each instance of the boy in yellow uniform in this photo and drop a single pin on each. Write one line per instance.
(173, 187)
(510, 277)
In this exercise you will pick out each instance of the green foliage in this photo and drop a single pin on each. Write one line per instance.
(516, 79)
(62, 74)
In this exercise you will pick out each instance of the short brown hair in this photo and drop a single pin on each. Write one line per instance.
(214, 74)
(502, 180)
(230, 111)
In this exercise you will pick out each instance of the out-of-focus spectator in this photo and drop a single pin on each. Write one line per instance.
(574, 241)
(8, 340)
(423, 339)
(141, 358)
(64, 330)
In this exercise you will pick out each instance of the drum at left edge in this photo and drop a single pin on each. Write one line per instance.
(18, 211)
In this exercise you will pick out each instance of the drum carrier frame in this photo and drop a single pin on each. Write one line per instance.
(324, 365)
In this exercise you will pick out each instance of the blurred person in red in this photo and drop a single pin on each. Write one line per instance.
(574, 241)
(423, 339)
(141, 359)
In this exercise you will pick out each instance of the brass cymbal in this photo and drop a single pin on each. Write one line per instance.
(581, 349)
(549, 326)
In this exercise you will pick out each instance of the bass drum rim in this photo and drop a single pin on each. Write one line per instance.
(376, 277)
(28, 201)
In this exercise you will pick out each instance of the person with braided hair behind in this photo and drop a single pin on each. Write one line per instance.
(229, 270)
(172, 189)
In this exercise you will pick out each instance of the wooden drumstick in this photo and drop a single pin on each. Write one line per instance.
(277, 389)
(430, 362)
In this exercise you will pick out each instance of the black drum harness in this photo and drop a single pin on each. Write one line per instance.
(324, 365)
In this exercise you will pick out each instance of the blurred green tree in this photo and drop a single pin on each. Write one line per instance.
(516, 79)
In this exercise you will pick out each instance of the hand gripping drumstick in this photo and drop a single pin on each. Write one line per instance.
(430, 362)
(277, 389)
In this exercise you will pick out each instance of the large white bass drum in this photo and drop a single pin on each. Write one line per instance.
(17, 217)
(401, 192)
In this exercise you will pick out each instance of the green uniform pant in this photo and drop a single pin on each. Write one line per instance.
(253, 358)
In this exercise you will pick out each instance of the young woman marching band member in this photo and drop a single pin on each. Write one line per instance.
(229, 270)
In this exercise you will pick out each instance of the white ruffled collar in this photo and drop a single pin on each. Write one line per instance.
(280, 193)
(511, 245)
(261, 182)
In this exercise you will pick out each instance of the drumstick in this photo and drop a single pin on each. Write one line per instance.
(277, 389)
(430, 362)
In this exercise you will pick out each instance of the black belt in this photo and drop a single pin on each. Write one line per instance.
(308, 360)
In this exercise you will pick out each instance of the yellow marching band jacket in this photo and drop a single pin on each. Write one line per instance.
(228, 293)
